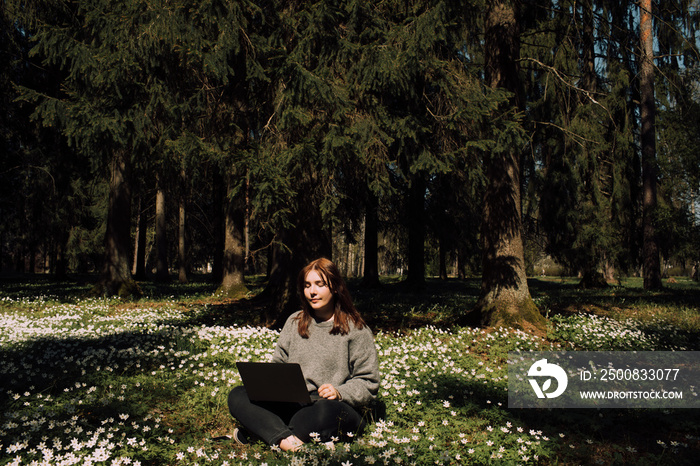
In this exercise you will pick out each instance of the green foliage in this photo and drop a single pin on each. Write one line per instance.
(314, 109)
(157, 79)
(587, 198)
(679, 173)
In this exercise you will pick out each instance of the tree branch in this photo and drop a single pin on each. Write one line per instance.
(563, 79)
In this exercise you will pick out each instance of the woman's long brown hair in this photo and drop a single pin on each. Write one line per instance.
(344, 308)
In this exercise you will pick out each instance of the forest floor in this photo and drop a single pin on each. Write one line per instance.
(104, 381)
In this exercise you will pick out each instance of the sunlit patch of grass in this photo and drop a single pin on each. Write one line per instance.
(624, 317)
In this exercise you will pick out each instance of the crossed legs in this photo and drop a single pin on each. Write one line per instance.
(282, 423)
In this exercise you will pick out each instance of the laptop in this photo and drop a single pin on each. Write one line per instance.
(280, 382)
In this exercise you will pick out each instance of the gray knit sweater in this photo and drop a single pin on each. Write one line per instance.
(348, 362)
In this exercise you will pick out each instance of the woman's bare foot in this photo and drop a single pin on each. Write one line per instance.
(291, 443)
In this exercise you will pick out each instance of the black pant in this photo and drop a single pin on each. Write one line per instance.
(273, 422)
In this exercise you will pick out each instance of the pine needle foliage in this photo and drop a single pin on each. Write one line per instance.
(312, 115)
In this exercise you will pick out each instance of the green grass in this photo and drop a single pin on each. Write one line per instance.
(96, 381)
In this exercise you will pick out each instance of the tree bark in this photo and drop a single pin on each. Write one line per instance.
(116, 276)
(650, 248)
(139, 267)
(588, 78)
(218, 191)
(233, 281)
(371, 268)
(591, 276)
(32, 258)
(61, 259)
(461, 259)
(442, 245)
(505, 297)
(162, 272)
(416, 232)
(306, 241)
(181, 230)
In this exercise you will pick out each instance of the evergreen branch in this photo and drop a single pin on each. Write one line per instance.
(574, 135)
(269, 120)
(667, 55)
(262, 248)
(580, 90)
(53, 180)
(439, 117)
(680, 33)
(268, 127)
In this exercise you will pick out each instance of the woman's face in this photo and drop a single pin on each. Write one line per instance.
(318, 294)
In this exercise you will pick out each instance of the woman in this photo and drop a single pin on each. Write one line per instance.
(335, 349)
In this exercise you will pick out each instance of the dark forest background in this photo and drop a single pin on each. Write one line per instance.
(155, 139)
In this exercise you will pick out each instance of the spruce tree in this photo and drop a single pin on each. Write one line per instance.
(677, 126)
(92, 107)
(305, 138)
(139, 79)
(418, 106)
(36, 161)
(505, 297)
(582, 114)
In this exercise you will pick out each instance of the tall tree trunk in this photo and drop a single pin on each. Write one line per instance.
(591, 276)
(19, 259)
(116, 274)
(371, 269)
(61, 259)
(181, 230)
(461, 259)
(588, 76)
(219, 194)
(247, 265)
(306, 241)
(162, 272)
(233, 281)
(442, 245)
(32, 258)
(281, 284)
(505, 297)
(139, 267)
(416, 232)
(650, 248)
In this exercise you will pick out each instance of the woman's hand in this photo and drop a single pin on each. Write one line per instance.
(328, 392)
